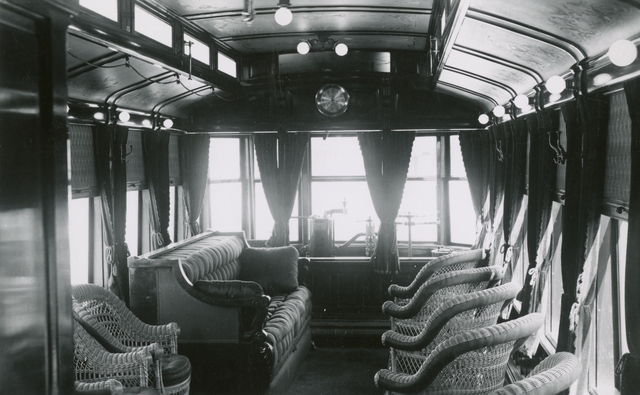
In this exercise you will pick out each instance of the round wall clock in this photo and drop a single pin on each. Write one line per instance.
(332, 100)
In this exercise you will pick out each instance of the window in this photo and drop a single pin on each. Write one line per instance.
(338, 181)
(226, 65)
(79, 240)
(198, 49)
(153, 27)
(264, 220)
(132, 225)
(225, 188)
(420, 198)
(106, 8)
(462, 217)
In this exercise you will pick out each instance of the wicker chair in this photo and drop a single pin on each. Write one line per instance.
(411, 317)
(552, 376)
(458, 260)
(118, 330)
(472, 362)
(458, 314)
(94, 364)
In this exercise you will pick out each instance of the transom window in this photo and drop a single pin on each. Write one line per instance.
(198, 50)
(106, 8)
(153, 27)
(226, 65)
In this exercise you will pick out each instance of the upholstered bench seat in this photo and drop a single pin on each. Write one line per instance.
(238, 307)
(286, 319)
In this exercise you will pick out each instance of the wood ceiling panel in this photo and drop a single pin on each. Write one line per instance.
(100, 83)
(465, 82)
(194, 7)
(517, 80)
(500, 43)
(591, 24)
(147, 97)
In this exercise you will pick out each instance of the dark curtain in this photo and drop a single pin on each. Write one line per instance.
(386, 158)
(280, 158)
(515, 179)
(155, 146)
(475, 147)
(111, 170)
(194, 165)
(584, 191)
(628, 369)
(542, 180)
(496, 193)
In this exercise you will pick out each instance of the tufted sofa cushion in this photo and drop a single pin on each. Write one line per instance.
(286, 319)
(217, 261)
(275, 268)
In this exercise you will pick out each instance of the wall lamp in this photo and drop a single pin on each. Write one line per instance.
(283, 15)
(521, 101)
(483, 119)
(555, 85)
(622, 53)
(304, 47)
(167, 123)
(498, 111)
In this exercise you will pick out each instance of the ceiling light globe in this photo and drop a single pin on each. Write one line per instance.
(521, 101)
(622, 53)
(341, 49)
(283, 16)
(98, 116)
(499, 111)
(146, 122)
(124, 116)
(167, 123)
(483, 119)
(555, 85)
(303, 47)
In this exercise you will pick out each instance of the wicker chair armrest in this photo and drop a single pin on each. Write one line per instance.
(107, 387)
(448, 310)
(139, 357)
(441, 281)
(553, 375)
(427, 270)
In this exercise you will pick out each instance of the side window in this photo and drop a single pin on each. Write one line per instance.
(225, 188)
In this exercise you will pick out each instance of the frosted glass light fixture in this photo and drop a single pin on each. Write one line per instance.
(167, 123)
(555, 84)
(483, 119)
(521, 101)
(341, 49)
(146, 122)
(498, 111)
(283, 15)
(124, 116)
(303, 47)
(622, 53)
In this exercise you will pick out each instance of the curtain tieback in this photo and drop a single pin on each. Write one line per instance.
(574, 316)
(534, 273)
(506, 250)
(108, 255)
(157, 240)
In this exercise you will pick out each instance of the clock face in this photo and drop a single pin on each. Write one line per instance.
(332, 100)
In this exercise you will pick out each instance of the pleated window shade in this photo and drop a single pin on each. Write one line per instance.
(84, 182)
(174, 161)
(135, 160)
(618, 159)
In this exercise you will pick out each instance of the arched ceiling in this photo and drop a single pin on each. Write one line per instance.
(460, 57)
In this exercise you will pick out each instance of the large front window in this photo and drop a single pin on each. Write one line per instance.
(337, 188)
